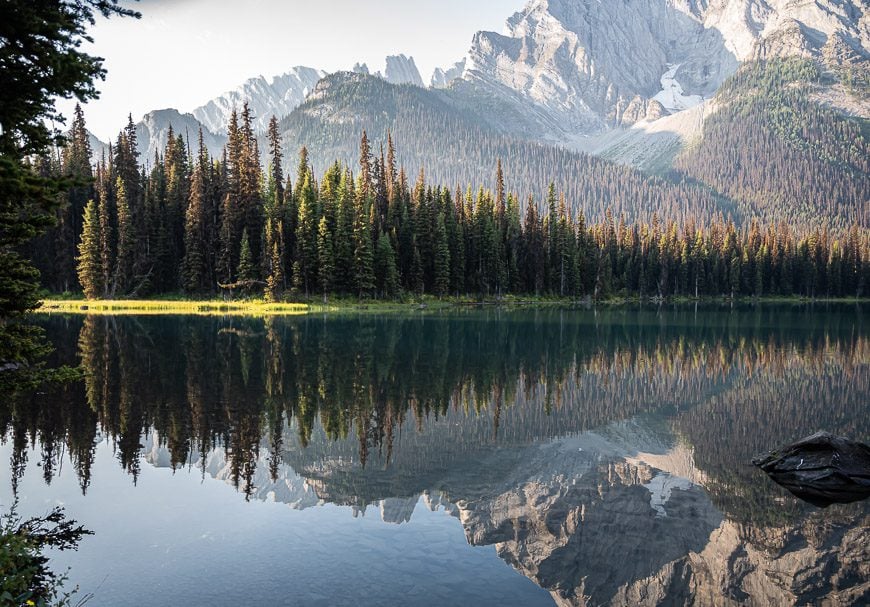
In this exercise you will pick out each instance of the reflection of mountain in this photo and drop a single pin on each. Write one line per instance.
(616, 516)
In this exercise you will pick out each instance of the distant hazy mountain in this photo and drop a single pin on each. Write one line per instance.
(442, 78)
(152, 133)
(402, 70)
(278, 96)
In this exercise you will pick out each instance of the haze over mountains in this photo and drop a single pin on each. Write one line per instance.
(632, 82)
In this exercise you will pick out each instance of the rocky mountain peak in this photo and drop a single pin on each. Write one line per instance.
(277, 96)
(442, 78)
(592, 64)
(402, 70)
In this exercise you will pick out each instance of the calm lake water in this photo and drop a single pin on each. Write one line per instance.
(466, 458)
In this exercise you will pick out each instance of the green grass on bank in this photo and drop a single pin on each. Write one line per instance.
(176, 305)
(170, 307)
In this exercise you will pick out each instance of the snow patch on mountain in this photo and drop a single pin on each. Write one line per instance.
(590, 66)
(671, 96)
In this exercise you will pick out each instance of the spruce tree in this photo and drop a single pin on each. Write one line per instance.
(363, 270)
(275, 216)
(89, 260)
(275, 280)
(386, 271)
(232, 211)
(77, 165)
(442, 257)
(305, 265)
(325, 258)
(107, 216)
(247, 270)
(343, 248)
(123, 280)
(194, 269)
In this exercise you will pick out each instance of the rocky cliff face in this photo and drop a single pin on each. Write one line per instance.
(442, 78)
(402, 70)
(278, 96)
(593, 65)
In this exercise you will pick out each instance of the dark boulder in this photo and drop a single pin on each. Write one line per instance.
(821, 469)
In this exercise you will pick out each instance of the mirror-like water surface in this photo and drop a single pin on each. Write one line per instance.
(484, 457)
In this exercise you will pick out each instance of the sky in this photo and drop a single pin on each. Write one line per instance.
(182, 53)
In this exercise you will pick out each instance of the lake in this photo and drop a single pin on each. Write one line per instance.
(484, 457)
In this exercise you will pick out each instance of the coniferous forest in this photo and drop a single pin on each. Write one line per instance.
(224, 226)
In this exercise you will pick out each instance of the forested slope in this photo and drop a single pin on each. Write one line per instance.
(450, 136)
(780, 155)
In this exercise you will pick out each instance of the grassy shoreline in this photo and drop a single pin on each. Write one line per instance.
(255, 307)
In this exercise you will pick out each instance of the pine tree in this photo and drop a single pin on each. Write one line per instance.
(77, 165)
(232, 211)
(124, 265)
(343, 248)
(194, 270)
(325, 258)
(363, 270)
(250, 199)
(305, 265)
(275, 216)
(89, 260)
(553, 252)
(442, 257)
(386, 271)
(247, 271)
(275, 280)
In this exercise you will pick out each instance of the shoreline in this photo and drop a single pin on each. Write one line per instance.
(179, 307)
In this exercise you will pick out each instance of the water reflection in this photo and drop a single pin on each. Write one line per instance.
(605, 455)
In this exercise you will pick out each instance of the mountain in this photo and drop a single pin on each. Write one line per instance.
(442, 78)
(402, 70)
(779, 153)
(594, 65)
(278, 96)
(152, 133)
(451, 136)
(651, 84)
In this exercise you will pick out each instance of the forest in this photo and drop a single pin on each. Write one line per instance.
(224, 226)
(779, 153)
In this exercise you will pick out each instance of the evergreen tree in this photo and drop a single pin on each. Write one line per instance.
(89, 269)
(275, 280)
(76, 165)
(325, 258)
(442, 257)
(247, 271)
(305, 265)
(275, 216)
(194, 267)
(107, 216)
(386, 270)
(363, 270)
(124, 265)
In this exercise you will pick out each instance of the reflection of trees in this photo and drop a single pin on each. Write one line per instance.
(412, 393)
(795, 393)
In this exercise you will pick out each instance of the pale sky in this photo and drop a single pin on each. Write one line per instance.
(182, 53)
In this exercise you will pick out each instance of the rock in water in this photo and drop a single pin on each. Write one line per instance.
(821, 469)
